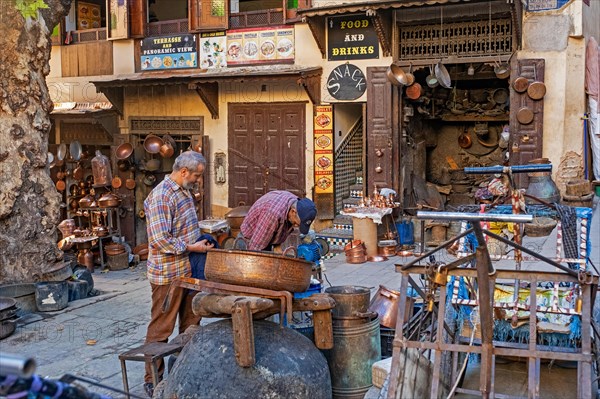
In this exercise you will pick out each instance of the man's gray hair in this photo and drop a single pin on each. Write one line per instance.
(190, 160)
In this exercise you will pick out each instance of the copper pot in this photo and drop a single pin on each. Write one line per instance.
(142, 251)
(86, 257)
(124, 151)
(385, 302)
(235, 218)
(86, 201)
(66, 227)
(109, 200)
(152, 144)
(101, 231)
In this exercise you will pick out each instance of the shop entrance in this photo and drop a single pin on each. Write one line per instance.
(267, 145)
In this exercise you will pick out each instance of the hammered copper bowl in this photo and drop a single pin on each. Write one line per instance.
(142, 251)
(124, 151)
(153, 143)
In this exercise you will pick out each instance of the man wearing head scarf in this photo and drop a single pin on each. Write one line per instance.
(273, 217)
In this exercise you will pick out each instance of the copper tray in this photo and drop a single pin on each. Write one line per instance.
(258, 269)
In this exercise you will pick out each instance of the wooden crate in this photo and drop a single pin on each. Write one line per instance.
(118, 262)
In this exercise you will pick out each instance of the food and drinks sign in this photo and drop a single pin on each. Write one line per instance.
(169, 52)
(323, 134)
(351, 37)
(260, 46)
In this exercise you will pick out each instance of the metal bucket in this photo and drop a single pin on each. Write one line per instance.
(355, 349)
(350, 300)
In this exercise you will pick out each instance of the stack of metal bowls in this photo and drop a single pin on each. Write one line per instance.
(356, 252)
(8, 316)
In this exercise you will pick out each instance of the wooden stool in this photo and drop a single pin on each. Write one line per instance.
(148, 353)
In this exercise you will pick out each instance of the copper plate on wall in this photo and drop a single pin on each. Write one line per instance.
(525, 116)
(520, 84)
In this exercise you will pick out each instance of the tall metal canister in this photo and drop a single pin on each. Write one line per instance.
(357, 342)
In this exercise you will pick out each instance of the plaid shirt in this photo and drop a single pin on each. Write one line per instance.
(267, 220)
(172, 223)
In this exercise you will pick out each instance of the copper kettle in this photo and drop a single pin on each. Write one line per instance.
(86, 257)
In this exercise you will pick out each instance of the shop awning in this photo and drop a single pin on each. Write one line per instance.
(206, 82)
(333, 8)
(75, 108)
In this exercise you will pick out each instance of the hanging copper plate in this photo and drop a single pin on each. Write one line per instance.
(116, 182)
(130, 183)
(414, 92)
(536, 90)
(520, 84)
(525, 116)
(60, 185)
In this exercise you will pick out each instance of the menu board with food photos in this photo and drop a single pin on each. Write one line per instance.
(88, 16)
(271, 45)
(212, 50)
(323, 134)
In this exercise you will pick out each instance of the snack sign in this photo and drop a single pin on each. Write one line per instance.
(260, 46)
(323, 135)
(169, 52)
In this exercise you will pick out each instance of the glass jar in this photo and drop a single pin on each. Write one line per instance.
(101, 170)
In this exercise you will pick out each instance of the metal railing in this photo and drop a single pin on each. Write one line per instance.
(168, 27)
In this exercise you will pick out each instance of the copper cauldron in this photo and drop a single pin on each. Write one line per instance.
(258, 269)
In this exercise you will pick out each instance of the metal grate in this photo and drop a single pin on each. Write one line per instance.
(168, 27)
(476, 38)
(269, 17)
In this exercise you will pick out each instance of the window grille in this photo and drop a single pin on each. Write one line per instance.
(461, 39)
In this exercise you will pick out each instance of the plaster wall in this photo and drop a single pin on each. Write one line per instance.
(74, 89)
(591, 19)
(345, 117)
(123, 59)
(556, 37)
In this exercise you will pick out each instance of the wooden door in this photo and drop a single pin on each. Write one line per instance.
(379, 137)
(526, 140)
(267, 147)
(138, 14)
(208, 15)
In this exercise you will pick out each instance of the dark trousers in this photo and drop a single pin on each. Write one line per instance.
(162, 324)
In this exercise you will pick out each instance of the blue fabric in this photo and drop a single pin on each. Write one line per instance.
(198, 259)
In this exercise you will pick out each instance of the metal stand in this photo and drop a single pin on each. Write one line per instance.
(245, 304)
(486, 277)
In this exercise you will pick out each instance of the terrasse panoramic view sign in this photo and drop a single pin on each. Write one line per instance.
(169, 52)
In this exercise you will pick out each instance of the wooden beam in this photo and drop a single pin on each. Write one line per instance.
(382, 20)
(115, 96)
(209, 93)
(312, 85)
(317, 28)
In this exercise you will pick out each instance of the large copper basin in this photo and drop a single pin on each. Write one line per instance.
(258, 269)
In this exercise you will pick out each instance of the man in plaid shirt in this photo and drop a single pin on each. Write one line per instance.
(172, 226)
(273, 217)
